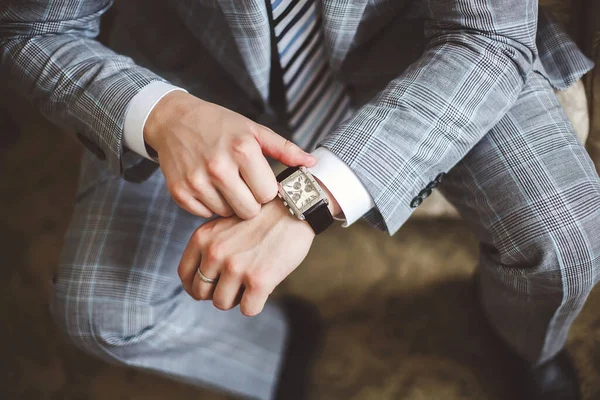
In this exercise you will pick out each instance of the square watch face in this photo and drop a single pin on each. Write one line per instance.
(301, 193)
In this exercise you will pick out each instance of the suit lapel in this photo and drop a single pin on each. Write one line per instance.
(340, 23)
(249, 26)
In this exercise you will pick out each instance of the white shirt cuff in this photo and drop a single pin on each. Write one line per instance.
(343, 184)
(139, 108)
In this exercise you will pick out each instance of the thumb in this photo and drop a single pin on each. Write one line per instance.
(281, 149)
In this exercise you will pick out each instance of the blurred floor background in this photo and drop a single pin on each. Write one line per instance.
(402, 319)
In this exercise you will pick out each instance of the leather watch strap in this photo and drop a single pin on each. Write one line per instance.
(319, 217)
(286, 172)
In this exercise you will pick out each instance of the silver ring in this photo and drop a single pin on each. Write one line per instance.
(205, 278)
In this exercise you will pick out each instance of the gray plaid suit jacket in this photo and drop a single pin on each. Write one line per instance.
(475, 58)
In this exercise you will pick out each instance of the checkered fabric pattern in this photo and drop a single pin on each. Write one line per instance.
(528, 188)
(118, 295)
(531, 192)
(478, 55)
(477, 103)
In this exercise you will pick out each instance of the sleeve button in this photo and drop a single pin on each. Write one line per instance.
(425, 193)
(431, 185)
(416, 202)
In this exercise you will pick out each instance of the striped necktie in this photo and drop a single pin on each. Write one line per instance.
(315, 102)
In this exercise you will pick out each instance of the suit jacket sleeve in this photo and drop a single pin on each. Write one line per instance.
(49, 54)
(477, 57)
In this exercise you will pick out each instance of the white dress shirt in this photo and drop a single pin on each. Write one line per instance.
(336, 176)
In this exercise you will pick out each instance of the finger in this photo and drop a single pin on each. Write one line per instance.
(226, 292)
(238, 297)
(240, 294)
(282, 149)
(253, 302)
(190, 260)
(214, 200)
(204, 290)
(260, 178)
(194, 206)
(240, 198)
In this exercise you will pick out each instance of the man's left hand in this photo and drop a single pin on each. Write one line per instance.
(249, 257)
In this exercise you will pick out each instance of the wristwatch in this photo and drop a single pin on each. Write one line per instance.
(305, 199)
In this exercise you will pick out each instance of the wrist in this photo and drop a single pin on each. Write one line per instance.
(169, 108)
(283, 213)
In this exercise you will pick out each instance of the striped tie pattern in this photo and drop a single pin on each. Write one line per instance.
(316, 102)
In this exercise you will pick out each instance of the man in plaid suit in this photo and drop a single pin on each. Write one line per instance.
(455, 95)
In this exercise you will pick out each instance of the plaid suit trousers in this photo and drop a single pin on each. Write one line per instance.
(528, 188)
(118, 295)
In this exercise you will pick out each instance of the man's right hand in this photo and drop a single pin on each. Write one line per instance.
(213, 158)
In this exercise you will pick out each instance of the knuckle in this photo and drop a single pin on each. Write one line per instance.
(288, 145)
(178, 191)
(269, 193)
(243, 148)
(249, 313)
(222, 209)
(205, 213)
(265, 130)
(254, 129)
(192, 206)
(221, 306)
(204, 295)
(250, 211)
(254, 211)
(199, 237)
(196, 294)
(195, 180)
(214, 252)
(227, 212)
(233, 267)
(216, 168)
(256, 283)
(181, 273)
